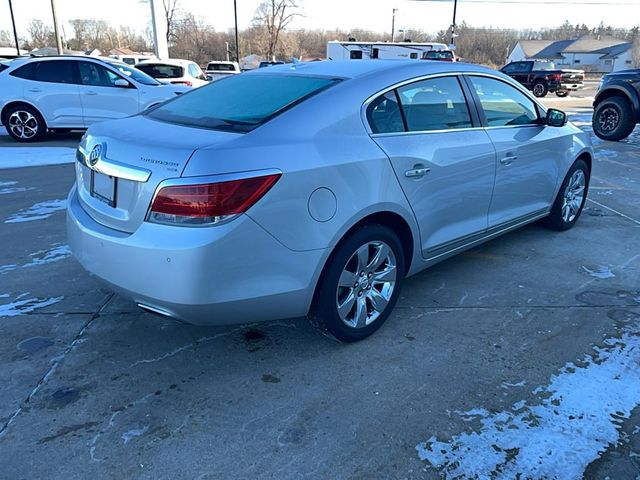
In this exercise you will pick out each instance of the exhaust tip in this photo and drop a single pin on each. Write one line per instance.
(156, 310)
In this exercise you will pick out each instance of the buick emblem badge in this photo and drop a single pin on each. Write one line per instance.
(94, 156)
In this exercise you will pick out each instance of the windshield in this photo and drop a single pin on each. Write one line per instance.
(222, 67)
(437, 55)
(241, 102)
(134, 73)
(159, 70)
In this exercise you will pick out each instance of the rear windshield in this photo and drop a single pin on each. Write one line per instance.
(544, 66)
(158, 70)
(437, 55)
(241, 102)
(221, 67)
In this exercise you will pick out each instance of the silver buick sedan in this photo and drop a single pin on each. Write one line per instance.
(315, 189)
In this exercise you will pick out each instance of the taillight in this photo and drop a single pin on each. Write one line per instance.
(557, 77)
(183, 82)
(208, 203)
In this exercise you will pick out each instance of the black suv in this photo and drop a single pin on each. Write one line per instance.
(617, 105)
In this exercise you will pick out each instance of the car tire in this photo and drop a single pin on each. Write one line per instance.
(25, 124)
(613, 119)
(540, 89)
(360, 284)
(570, 199)
(562, 93)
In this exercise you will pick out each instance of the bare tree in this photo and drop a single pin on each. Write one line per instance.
(41, 35)
(171, 11)
(273, 16)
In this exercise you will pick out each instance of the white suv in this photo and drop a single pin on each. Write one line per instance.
(71, 92)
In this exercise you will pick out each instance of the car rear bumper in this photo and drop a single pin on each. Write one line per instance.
(231, 273)
(566, 86)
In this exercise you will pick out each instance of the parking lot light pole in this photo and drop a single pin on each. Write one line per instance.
(453, 25)
(15, 32)
(56, 30)
(235, 15)
(393, 24)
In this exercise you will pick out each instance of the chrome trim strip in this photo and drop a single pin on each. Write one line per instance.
(468, 241)
(113, 168)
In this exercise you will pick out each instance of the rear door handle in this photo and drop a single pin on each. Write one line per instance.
(35, 90)
(508, 160)
(420, 171)
(92, 93)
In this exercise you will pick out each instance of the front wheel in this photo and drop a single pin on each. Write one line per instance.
(540, 89)
(613, 119)
(562, 93)
(571, 198)
(360, 285)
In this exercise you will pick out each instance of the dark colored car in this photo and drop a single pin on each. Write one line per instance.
(543, 77)
(617, 105)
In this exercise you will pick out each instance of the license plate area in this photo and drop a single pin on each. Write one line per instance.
(104, 188)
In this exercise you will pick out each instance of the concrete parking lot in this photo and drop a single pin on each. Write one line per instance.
(517, 357)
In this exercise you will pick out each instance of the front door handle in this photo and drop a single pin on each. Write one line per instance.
(508, 160)
(35, 90)
(417, 171)
(91, 92)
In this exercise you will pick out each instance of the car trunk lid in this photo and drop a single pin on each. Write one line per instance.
(121, 163)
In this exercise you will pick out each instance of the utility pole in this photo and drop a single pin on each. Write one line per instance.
(160, 44)
(453, 25)
(56, 30)
(393, 24)
(226, 47)
(235, 15)
(15, 32)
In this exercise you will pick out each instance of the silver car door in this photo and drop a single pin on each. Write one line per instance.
(444, 162)
(529, 153)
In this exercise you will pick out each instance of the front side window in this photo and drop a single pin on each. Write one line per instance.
(96, 75)
(503, 104)
(383, 114)
(241, 102)
(434, 104)
(195, 71)
(138, 75)
(55, 71)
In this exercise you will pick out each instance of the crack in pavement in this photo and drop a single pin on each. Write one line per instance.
(55, 362)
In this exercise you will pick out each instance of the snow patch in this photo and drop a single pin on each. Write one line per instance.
(16, 157)
(557, 438)
(22, 307)
(601, 271)
(39, 211)
(131, 434)
(59, 252)
(7, 268)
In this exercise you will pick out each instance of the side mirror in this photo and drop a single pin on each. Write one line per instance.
(556, 118)
(122, 83)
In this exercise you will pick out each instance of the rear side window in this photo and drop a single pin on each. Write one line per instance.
(355, 55)
(384, 114)
(26, 71)
(55, 71)
(3, 66)
(504, 105)
(434, 104)
(162, 71)
(240, 103)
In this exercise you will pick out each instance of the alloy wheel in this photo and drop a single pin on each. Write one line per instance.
(573, 196)
(23, 124)
(366, 284)
(609, 119)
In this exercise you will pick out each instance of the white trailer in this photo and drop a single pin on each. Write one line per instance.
(337, 50)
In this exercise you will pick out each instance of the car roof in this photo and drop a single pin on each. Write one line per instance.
(361, 68)
(178, 62)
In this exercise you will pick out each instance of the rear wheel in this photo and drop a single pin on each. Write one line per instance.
(540, 89)
(360, 285)
(613, 119)
(25, 124)
(571, 198)
(562, 93)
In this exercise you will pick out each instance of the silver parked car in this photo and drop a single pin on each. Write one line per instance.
(315, 189)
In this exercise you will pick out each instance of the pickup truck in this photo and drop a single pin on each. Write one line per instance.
(543, 77)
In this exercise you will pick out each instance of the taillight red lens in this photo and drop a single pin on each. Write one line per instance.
(555, 76)
(209, 203)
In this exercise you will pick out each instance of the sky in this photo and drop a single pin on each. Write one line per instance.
(429, 16)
